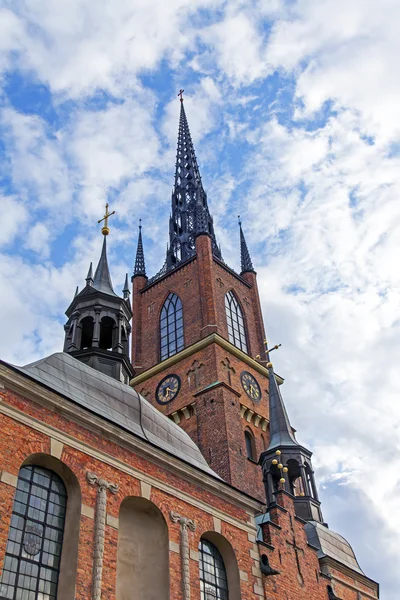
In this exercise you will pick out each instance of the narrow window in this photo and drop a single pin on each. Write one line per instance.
(32, 560)
(171, 326)
(250, 445)
(213, 579)
(106, 333)
(234, 317)
(87, 326)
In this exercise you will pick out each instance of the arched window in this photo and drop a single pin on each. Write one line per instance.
(87, 325)
(213, 578)
(106, 333)
(250, 444)
(171, 326)
(234, 317)
(32, 560)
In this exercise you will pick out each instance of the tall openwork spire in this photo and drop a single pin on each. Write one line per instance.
(190, 215)
(245, 259)
(140, 266)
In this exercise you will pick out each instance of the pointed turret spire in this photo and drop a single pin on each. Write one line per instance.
(89, 276)
(140, 266)
(126, 291)
(98, 326)
(190, 214)
(245, 259)
(102, 278)
(281, 433)
(286, 464)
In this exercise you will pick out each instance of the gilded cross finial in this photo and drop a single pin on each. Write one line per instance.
(105, 230)
(180, 95)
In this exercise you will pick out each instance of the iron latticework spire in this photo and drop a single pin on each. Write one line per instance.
(190, 215)
(245, 259)
(140, 266)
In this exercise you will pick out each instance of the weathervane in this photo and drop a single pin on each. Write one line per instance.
(105, 230)
(180, 95)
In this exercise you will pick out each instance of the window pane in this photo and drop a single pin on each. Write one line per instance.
(40, 498)
(213, 580)
(171, 327)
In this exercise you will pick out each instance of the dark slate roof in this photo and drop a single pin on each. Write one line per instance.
(102, 278)
(331, 544)
(279, 426)
(116, 402)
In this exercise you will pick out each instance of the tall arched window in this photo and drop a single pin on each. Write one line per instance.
(213, 578)
(33, 553)
(250, 444)
(171, 326)
(234, 317)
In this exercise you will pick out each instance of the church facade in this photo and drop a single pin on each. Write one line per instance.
(153, 459)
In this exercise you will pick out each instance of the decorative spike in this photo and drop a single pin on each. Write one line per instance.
(140, 266)
(280, 429)
(245, 259)
(102, 278)
(76, 291)
(89, 276)
(126, 291)
(190, 214)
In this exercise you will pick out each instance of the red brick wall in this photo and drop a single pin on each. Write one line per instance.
(217, 427)
(18, 441)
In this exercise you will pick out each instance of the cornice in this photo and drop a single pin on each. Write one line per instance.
(360, 577)
(36, 392)
(213, 338)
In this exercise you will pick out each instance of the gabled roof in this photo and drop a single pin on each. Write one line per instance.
(116, 402)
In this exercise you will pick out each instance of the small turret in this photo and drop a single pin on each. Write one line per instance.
(98, 327)
(286, 464)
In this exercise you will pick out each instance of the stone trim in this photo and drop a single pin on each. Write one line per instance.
(185, 524)
(183, 413)
(213, 338)
(145, 490)
(9, 479)
(34, 391)
(174, 547)
(87, 511)
(103, 457)
(253, 418)
(361, 578)
(56, 448)
(99, 529)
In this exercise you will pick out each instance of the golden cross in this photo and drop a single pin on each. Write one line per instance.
(105, 230)
(180, 95)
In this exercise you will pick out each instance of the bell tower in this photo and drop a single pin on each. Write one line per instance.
(98, 327)
(197, 328)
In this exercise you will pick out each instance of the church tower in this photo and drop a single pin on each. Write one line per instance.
(197, 330)
(98, 327)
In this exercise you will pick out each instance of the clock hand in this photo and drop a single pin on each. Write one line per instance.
(167, 390)
(251, 389)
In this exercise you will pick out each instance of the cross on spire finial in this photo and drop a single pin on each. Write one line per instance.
(105, 230)
(181, 95)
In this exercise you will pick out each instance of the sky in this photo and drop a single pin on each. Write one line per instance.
(294, 109)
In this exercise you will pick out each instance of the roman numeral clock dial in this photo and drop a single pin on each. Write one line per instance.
(250, 386)
(168, 389)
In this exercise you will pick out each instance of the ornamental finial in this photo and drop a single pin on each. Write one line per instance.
(105, 230)
(181, 95)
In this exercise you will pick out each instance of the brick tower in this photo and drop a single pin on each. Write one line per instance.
(197, 330)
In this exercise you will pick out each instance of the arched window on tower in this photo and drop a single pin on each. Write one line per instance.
(86, 325)
(250, 444)
(171, 326)
(106, 333)
(234, 317)
(32, 560)
(213, 577)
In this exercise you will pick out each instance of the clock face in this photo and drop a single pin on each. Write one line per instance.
(250, 386)
(168, 389)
